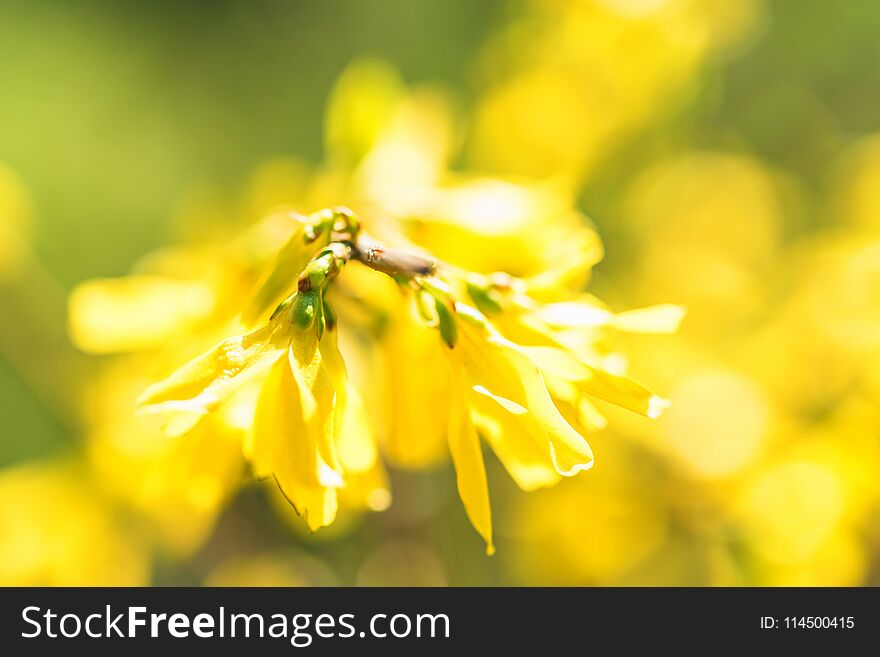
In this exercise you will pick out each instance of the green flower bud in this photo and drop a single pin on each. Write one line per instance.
(303, 309)
(320, 223)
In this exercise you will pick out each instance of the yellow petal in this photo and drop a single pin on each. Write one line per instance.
(286, 433)
(599, 383)
(525, 461)
(208, 380)
(354, 438)
(419, 392)
(571, 402)
(489, 224)
(359, 454)
(467, 455)
(662, 318)
(569, 314)
(508, 405)
(366, 482)
(312, 375)
(589, 417)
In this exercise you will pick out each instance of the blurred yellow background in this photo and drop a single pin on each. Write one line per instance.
(727, 153)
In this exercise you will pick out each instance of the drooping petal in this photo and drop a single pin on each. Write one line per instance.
(467, 455)
(312, 375)
(504, 369)
(526, 462)
(365, 477)
(287, 430)
(589, 417)
(572, 402)
(208, 380)
(419, 391)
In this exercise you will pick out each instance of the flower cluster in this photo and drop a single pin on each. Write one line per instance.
(498, 363)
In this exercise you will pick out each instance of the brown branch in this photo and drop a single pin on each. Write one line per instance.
(394, 262)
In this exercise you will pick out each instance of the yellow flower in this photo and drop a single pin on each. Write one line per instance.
(578, 89)
(293, 421)
(57, 530)
(178, 485)
(304, 408)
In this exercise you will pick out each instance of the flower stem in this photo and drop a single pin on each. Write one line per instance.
(394, 262)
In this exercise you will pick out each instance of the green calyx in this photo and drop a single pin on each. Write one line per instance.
(324, 267)
(446, 323)
(319, 270)
(484, 297)
(304, 309)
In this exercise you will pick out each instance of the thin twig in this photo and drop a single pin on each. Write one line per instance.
(391, 261)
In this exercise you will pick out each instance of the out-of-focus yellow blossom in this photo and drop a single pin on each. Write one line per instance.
(523, 229)
(307, 412)
(172, 293)
(795, 524)
(722, 404)
(177, 484)
(364, 102)
(602, 527)
(761, 471)
(57, 530)
(710, 225)
(585, 74)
